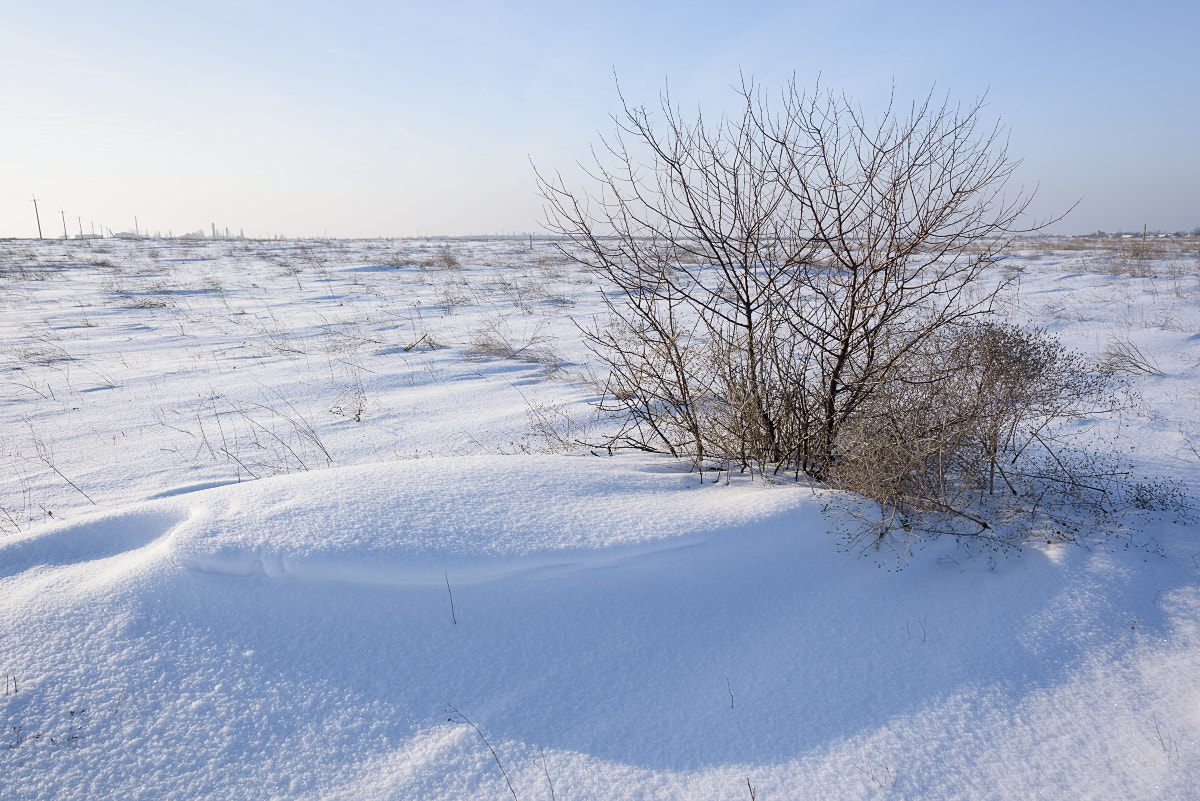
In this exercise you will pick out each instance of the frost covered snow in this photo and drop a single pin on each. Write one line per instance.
(304, 520)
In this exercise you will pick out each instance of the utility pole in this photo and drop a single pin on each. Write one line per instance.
(135, 227)
(80, 221)
(38, 216)
(64, 219)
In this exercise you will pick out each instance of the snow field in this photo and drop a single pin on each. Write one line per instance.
(614, 627)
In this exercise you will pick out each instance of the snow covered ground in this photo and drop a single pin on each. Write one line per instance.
(302, 520)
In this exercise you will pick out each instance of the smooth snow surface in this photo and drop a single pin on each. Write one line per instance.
(612, 627)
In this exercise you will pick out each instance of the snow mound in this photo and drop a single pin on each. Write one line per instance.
(479, 517)
(413, 521)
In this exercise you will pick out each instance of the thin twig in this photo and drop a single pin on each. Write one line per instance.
(546, 770)
(464, 719)
(48, 463)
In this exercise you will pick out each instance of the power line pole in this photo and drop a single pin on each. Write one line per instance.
(38, 216)
(64, 219)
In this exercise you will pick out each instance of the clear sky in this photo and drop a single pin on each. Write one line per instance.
(356, 118)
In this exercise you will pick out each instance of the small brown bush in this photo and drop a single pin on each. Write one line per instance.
(968, 437)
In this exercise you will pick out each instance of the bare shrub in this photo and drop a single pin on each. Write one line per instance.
(760, 265)
(803, 289)
(1123, 357)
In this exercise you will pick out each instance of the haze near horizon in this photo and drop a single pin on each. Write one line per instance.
(367, 119)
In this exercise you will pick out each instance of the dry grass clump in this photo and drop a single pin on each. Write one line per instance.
(44, 352)
(495, 339)
(452, 295)
(515, 292)
(443, 259)
(550, 428)
(1123, 357)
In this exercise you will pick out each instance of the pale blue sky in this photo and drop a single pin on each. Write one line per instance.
(393, 119)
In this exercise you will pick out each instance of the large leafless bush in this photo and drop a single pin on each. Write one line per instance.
(803, 288)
